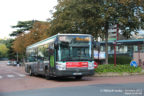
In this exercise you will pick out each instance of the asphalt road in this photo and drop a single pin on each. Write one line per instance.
(130, 89)
(15, 82)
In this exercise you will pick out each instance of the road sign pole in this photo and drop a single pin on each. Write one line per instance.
(113, 35)
(139, 59)
(114, 53)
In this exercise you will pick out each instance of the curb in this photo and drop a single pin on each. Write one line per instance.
(112, 74)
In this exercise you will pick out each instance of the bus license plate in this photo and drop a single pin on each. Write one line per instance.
(77, 73)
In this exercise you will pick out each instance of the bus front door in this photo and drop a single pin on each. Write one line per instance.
(52, 65)
(40, 66)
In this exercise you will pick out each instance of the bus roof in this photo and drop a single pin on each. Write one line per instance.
(75, 34)
(41, 42)
(49, 39)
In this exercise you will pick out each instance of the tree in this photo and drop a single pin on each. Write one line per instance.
(36, 33)
(95, 16)
(3, 50)
(75, 16)
(22, 27)
(11, 54)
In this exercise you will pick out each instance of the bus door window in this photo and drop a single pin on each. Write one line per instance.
(40, 58)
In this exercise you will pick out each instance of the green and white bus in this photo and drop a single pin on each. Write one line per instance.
(61, 55)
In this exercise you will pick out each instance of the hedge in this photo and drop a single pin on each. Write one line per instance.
(120, 60)
(118, 68)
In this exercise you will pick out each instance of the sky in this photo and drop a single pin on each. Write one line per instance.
(12, 11)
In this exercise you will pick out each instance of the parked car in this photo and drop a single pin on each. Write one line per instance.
(14, 63)
(9, 63)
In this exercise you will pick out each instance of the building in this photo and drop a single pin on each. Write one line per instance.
(124, 48)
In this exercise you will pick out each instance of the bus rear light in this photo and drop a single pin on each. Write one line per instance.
(95, 65)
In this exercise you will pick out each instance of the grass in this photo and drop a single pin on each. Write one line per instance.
(117, 69)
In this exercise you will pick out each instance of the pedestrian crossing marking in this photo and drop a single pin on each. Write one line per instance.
(0, 77)
(10, 76)
(22, 75)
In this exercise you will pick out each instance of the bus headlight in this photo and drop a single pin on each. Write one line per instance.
(91, 65)
(61, 66)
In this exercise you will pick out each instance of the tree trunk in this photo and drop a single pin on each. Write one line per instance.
(106, 42)
(23, 60)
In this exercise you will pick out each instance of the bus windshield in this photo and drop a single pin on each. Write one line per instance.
(74, 48)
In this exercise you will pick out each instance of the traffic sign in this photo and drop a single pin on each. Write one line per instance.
(133, 64)
(112, 32)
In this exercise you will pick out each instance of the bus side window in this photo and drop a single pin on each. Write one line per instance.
(40, 56)
(31, 59)
(31, 55)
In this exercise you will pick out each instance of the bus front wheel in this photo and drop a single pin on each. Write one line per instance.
(47, 75)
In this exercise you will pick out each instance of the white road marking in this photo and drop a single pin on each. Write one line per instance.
(22, 75)
(10, 76)
(1, 77)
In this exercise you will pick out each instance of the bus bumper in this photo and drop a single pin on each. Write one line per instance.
(74, 73)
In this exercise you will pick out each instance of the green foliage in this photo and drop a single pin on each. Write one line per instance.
(21, 27)
(10, 52)
(118, 68)
(120, 60)
(3, 50)
(94, 16)
(75, 16)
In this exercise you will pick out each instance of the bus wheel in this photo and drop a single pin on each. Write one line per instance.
(78, 77)
(48, 77)
(30, 72)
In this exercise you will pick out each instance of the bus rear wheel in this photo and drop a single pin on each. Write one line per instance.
(48, 77)
(78, 77)
(30, 72)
